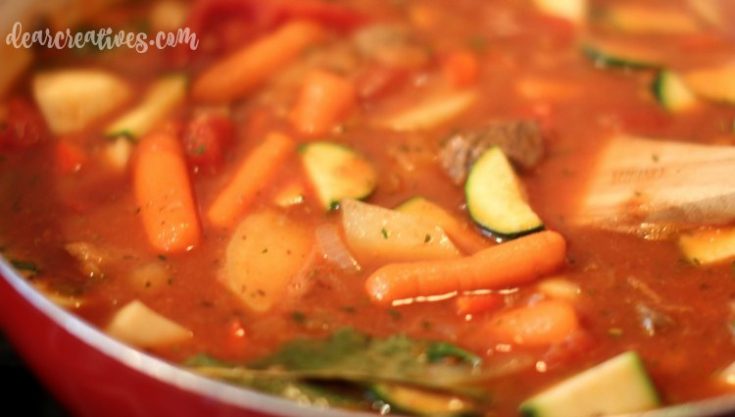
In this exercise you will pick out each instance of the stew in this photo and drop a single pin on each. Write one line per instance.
(375, 205)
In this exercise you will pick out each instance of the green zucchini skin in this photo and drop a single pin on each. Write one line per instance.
(671, 92)
(415, 402)
(619, 385)
(607, 59)
(495, 198)
(337, 172)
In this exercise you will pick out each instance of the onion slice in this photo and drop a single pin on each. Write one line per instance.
(333, 248)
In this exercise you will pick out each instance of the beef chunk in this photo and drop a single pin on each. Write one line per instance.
(520, 140)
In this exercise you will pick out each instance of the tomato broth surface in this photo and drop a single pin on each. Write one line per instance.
(386, 87)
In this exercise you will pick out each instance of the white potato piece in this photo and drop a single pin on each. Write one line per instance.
(709, 246)
(140, 326)
(72, 99)
(160, 99)
(377, 234)
(431, 113)
(118, 152)
(265, 255)
(572, 10)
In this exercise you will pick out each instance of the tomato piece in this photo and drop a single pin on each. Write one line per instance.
(461, 68)
(206, 137)
(69, 157)
(23, 127)
(231, 22)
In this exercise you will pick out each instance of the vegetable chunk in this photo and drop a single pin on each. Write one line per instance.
(163, 193)
(72, 99)
(141, 326)
(265, 254)
(376, 234)
(240, 73)
(337, 172)
(160, 99)
(540, 324)
(619, 385)
(507, 265)
(252, 175)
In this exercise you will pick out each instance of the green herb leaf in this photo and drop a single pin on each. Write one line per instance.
(25, 266)
(352, 356)
(442, 350)
(338, 370)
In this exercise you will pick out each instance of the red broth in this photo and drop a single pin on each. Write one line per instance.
(524, 65)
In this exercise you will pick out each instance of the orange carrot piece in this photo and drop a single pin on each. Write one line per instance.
(324, 99)
(461, 68)
(478, 303)
(163, 192)
(540, 324)
(510, 264)
(259, 167)
(240, 73)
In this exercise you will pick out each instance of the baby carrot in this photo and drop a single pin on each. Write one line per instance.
(324, 99)
(540, 324)
(461, 68)
(507, 265)
(251, 176)
(478, 303)
(164, 195)
(238, 74)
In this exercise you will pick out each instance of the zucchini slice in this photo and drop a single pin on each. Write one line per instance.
(160, 99)
(337, 172)
(672, 92)
(572, 10)
(619, 385)
(618, 55)
(495, 198)
(422, 402)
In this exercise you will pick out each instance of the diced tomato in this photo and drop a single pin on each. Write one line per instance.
(23, 127)
(461, 68)
(206, 137)
(478, 303)
(224, 24)
(69, 157)
(236, 339)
